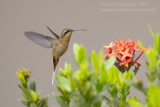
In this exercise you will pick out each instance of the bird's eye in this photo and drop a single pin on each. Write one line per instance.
(67, 31)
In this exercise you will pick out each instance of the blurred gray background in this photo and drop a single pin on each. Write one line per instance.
(105, 20)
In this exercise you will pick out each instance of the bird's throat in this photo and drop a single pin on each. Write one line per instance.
(65, 40)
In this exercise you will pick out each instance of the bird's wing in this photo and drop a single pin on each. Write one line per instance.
(53, 32)
(44, 41)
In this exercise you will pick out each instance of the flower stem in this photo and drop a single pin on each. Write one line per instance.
(139, 56)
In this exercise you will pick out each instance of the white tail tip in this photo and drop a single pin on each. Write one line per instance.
(53, 75)
(52, 80)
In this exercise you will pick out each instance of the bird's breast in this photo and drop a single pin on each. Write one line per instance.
(60, 50)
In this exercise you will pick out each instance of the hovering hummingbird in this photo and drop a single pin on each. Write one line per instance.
(59, 45)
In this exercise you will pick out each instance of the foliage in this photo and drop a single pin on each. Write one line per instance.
(30, 96)
(100, 83)
(152, 91)
(95, 83)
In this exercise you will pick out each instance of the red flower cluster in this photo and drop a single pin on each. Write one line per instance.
(124, 52)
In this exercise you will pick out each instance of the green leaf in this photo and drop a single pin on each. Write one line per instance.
(101, 55)
(136, 98)
(95, 61)
(153, 96)
(33, 95)
(156, 40)
(110, 62)
(107, 100)
(128, 75)
(72, 82)
(114, 75)
(112, 90)
(27, 94)
(153, 61)
(24, 103)
(21, 78)
(75, 50)
(103, 73)
(32, 85)
(60, 101)
(33, 105)
(79, 52)
(157, 43)
(84, 73)
(64, 83)
(67, 69)
(134, 103)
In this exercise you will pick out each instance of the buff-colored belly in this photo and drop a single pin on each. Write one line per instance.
(59, 50)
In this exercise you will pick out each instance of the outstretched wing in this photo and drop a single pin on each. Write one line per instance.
(44, 41)
(53, 32)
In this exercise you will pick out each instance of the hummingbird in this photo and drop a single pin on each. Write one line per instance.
(59, 44)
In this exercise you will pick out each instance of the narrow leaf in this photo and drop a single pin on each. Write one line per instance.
(60, 101)
(32, 86)
(64, 83)
(33, 95)
(95, 61)
(33, 105)
(110, 62)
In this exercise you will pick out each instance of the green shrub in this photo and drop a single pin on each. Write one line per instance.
(98, 82)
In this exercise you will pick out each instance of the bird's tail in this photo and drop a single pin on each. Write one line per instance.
(53, 75)
(55, 63)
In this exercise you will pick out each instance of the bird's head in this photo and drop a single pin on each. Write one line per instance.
(68, 32)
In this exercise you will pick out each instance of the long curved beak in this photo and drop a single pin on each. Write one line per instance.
(79, 30)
